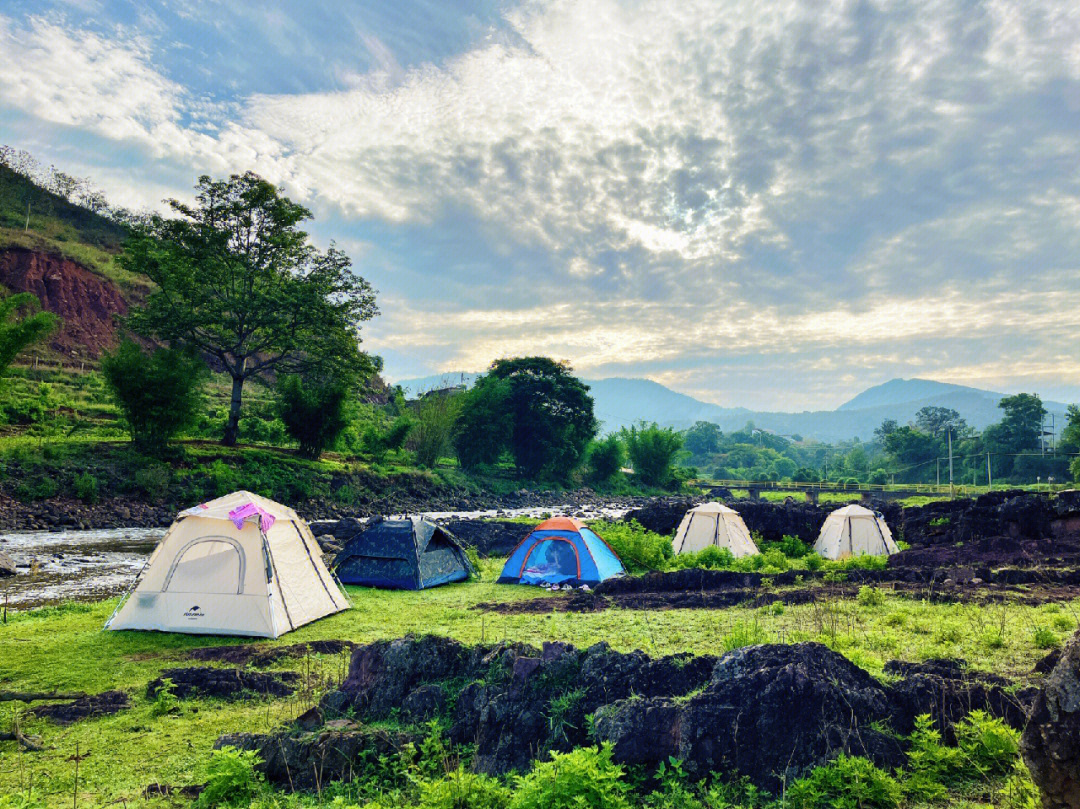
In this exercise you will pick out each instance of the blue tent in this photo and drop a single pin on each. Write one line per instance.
(561, 551)
(409, 554)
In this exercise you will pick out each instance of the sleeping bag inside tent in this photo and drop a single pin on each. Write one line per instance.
(409, 554)
(854, 531)
(713, 525)
(238, 565)
(561, 551)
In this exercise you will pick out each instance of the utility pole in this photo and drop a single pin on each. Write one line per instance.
(989, 474)
(938, 472)
(950, 465)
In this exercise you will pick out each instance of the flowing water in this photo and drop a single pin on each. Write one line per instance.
(91, 565)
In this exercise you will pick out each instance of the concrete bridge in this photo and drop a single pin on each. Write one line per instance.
(864, 491)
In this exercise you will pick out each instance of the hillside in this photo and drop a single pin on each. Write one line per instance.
(621, 402)
(65, 255)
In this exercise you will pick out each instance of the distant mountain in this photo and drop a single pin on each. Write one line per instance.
(901, 391)
(621, 402)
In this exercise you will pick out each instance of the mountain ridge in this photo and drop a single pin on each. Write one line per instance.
(622, 401)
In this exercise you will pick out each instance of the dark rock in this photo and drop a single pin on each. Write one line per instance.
(7, 565)
(1051, 741)
(948, 691)
(661, 515)
(229, 684)
(65, 713)
(769, 712)
(1046, 664)
(311, 761)
(489, 537)
(311, 719)
(261, 655)
(424, 704)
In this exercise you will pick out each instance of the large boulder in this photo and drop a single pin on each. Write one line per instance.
(769, 712)
(661, 515)
(1051, 741)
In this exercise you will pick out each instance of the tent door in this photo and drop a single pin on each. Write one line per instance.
(213, 564)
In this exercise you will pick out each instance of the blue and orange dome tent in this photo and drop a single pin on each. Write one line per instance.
(561, 551)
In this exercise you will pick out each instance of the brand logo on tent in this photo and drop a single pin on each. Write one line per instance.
(195, 612)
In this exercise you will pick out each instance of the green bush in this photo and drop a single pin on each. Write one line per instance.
(791, 547)
(158, 394)
(652, 451)
(1044, 638)
(604, 459)
(585, 778)
(39, 487)
(314, 411)
(165, 701)
(232, 778)
(813, 561)
(380, 443)
(849, 782)
(153, 481)
(879, 477)
(988, 746)
(431, 436)
(870, 596)
(639, 549)
(462, 789)
(86, 487)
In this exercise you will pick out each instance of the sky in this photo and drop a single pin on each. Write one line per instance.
(763, 204)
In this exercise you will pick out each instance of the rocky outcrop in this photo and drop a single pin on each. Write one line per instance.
(228, 684)
(87, 302)
(489, 537)
(1051, 740)
(661, 515)
(311, 762)
(768, 712)
(7, 565)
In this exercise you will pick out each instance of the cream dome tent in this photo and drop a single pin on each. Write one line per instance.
(238, 565)
(854, 531)
(713, 524)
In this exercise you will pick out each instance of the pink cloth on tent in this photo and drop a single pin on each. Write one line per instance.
(238, 515)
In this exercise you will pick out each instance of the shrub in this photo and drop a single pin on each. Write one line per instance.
(744, 633)
(586, 777)
(36, 488)
(379, 443)
(462, 789)
(232, 778)
(604, 459)
(86, 487)
(988, 746)
(1044, 638)
(652, 452)
(641, 550)
(879, 477)
(314, 411)
(849, 782)
(430, 437)
(870, 596)
(158, 394)
(792, 547)
(813, 561)
(153, 480)
(165, 701)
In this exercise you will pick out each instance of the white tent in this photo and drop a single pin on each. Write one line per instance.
(238, 565)
(854, 531)
(713, 524)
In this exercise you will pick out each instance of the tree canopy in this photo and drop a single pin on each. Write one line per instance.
(238, 279)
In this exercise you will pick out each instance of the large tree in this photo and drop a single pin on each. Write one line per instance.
(22, 324)
(938, 420)
(1020, 429)
(553, 419)
(238, 279)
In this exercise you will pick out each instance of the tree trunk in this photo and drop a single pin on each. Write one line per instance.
(232, 426)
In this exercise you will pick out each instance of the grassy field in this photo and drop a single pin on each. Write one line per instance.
(65, 648)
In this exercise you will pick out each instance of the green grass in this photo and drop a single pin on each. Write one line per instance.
(65, 648)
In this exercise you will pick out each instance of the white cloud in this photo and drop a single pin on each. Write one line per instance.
(689, 182)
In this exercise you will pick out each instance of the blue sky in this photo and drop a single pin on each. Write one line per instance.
(772, 205)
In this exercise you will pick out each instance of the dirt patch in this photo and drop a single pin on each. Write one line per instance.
(87, 302)
(66, 713)
(261, 655)
(228, 684)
